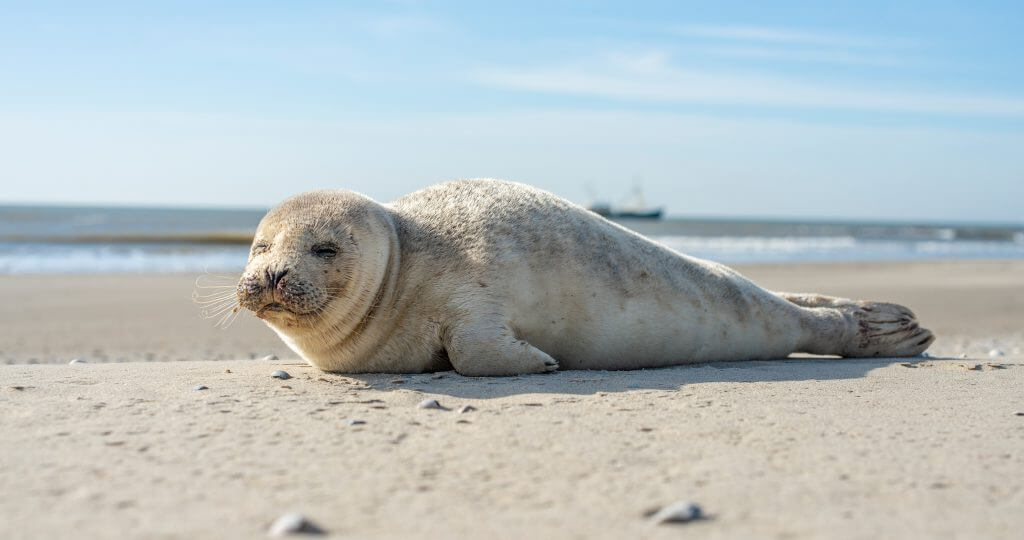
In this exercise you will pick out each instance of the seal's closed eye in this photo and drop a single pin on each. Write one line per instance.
(325, 251)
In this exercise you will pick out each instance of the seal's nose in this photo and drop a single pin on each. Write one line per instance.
(274, 277)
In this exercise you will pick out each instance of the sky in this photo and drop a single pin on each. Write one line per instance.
(823, 110)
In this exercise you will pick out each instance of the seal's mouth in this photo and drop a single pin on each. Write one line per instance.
(273, 307)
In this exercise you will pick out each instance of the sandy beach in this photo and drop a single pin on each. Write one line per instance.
(124, 446)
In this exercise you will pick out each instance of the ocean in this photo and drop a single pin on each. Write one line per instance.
(51, 239)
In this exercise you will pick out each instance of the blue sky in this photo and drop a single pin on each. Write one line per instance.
(869, 110)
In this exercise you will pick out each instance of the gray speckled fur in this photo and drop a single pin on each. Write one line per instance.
(500, 278)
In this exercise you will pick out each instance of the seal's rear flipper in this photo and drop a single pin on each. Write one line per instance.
(885, 330)
(857, 329)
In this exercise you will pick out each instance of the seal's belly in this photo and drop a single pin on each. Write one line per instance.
(590, 324)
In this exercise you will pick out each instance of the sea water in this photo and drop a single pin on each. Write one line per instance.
(102, 240)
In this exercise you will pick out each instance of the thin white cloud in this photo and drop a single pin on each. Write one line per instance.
(766, 34)
(651, 78)
(806, 55)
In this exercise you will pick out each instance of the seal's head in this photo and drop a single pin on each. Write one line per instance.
(317, 259)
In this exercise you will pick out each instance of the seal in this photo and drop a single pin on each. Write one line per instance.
(497, 278)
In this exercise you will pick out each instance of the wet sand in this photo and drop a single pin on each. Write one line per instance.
(799, 448)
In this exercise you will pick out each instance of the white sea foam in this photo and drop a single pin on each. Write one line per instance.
(756, 244)
(38, 258)
(752, 249)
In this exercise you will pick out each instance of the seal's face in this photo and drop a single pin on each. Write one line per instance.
(317, 269)
(296, 268)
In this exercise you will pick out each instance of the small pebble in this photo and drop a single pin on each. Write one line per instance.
(1020, 413)
(430, 404)
(270, 358)
(466, 408)
(293, 523)
(678, 512)
(995, 353)
(279, 374)
(76, 361)
(354, 422)
(200, 387)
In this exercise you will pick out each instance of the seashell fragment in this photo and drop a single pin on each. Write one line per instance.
(678, 512)
(429, 404)
(293, 523)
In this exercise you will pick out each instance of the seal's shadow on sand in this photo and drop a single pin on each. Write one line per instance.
(671, 378)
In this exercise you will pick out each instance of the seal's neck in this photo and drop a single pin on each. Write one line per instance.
(339, 341)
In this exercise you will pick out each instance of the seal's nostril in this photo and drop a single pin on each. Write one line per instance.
(274, 278)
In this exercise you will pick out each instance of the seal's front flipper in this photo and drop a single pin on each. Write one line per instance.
(482, 350)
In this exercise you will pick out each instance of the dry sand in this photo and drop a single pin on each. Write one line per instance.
(804, 448)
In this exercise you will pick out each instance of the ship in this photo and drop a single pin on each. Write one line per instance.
(634, 208)
(605, 210)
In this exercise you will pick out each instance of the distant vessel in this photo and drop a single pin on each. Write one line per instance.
(634, 208)
(607, 211)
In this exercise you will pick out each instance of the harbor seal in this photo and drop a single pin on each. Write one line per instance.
(498, 278)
